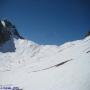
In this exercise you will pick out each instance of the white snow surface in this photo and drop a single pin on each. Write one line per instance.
(3, 23)
(33, 66)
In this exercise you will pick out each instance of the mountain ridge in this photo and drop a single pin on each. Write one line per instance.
(31, 66)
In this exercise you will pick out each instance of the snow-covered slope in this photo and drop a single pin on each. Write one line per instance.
(31, 66)
(44, 67)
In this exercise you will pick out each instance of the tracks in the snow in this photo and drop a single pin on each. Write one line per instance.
(57, 65)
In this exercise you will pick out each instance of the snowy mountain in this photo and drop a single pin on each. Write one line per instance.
(31, 66)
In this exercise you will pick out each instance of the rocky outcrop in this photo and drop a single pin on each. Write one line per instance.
(8, 31)
(88, 34)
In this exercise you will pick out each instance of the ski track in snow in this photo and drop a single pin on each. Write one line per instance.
(57, 65)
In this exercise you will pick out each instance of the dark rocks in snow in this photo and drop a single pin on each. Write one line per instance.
(88, 34)
(4, 34)
(8, 31)
(88, 52)
(8, 46)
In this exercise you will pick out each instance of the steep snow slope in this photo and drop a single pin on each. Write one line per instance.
(46, 67)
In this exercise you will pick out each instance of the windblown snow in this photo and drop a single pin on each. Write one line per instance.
(46, 67)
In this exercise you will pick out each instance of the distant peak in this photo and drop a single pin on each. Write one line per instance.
(8, 31)
(87, 34)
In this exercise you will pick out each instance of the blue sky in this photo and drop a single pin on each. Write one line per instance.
(48, 21)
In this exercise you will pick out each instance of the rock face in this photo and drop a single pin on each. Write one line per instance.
(88, 34)
(8, 31)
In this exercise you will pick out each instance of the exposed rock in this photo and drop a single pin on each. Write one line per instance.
(8, 31)
(88, 34)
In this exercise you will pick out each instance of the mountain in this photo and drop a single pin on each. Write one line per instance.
(8, 33)
(29, 66)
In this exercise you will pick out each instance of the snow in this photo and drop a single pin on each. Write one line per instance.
(3, 23)
(33, 67)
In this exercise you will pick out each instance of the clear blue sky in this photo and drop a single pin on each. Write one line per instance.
(48, 21)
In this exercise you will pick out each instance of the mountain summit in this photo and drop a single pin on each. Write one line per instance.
(8, 31)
